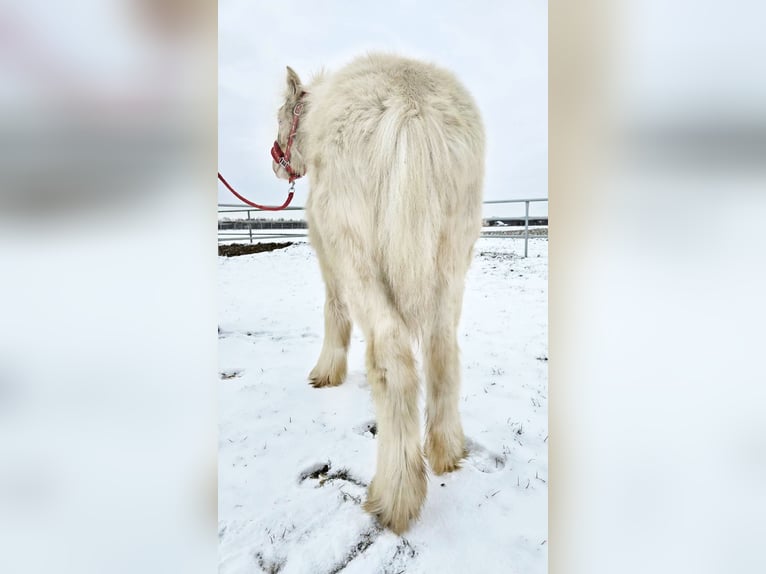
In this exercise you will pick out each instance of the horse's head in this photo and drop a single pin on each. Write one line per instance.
(288, 162)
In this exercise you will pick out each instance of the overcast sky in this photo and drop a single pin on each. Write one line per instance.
(498, 49)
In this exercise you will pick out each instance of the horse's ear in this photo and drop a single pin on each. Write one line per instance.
(294, 86)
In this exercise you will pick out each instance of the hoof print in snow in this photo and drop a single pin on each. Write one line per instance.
(365, 540)
(482, 459)
(321, 472)
(368, 429)
(404, 548)
(269, 566)
(315, 471)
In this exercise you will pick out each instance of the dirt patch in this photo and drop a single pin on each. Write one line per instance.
(235, 249)
(537, 232)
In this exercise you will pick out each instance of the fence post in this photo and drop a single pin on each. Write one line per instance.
(526, 226)
(249, 227)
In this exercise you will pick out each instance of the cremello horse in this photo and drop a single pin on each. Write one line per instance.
(394, 150)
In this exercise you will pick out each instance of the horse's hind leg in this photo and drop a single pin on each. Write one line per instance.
(397, 491)
(445, 443)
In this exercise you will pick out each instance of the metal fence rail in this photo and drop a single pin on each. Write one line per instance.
(279, 233)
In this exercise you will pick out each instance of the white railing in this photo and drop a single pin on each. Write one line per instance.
(283, 232)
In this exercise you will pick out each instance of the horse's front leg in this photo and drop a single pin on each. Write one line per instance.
(330, 369)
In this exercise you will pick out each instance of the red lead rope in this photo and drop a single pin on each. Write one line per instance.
(248, 202)
(283, 159)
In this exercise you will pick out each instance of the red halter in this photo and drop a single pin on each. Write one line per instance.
(283, 158)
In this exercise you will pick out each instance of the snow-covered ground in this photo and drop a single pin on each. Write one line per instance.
(294, 461)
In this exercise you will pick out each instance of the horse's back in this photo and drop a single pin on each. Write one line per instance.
(399, 167)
